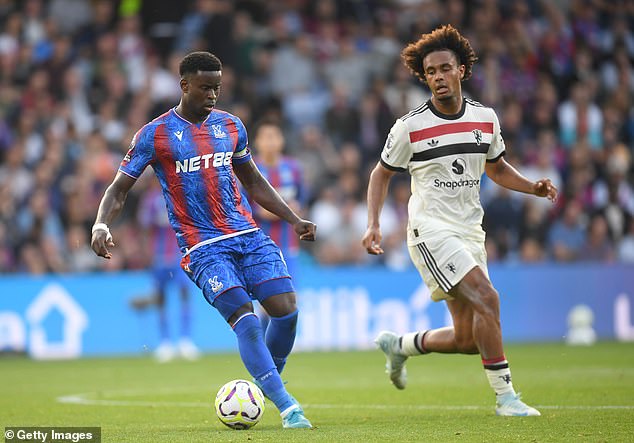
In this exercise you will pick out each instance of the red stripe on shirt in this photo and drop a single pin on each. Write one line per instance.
(174, 181)
(203, 143)
(233, 133)
(449, 128)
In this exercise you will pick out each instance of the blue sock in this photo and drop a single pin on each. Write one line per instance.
(258, 361)
(280, 337)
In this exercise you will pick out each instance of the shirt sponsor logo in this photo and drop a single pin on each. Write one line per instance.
(453, 184)
(215, 160)
(458, 165)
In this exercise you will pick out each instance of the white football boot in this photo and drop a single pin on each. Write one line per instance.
(510, 405)
(395, 361)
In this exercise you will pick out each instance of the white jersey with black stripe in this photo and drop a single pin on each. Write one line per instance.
(445, 156)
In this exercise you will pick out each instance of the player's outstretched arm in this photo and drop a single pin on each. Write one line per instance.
(260, 190)
(377, 192)
(109, 208)
(504, 174)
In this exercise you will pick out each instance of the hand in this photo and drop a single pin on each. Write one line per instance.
(545, 188)
(372, 241)
(306, 230)
(101, 241)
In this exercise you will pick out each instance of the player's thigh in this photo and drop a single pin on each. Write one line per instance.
(443, 260)
(476, 289)
(216, 272)
(265, 272)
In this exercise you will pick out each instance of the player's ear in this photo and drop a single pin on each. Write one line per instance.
(184, 85)
(462, 71)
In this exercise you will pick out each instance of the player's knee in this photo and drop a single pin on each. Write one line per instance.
(280, 305)
(239, 313)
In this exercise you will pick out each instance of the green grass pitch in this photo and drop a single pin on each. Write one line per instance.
(586, 394)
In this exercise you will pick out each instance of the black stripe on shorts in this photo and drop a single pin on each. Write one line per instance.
(443, 282)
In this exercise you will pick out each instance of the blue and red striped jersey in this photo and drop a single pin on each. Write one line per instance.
(194, 165)
(286, 178)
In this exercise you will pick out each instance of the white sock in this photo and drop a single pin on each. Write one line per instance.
(411, 343)
(499, 375)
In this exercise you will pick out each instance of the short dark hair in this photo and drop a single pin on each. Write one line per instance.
(440, 39)
(199, 61)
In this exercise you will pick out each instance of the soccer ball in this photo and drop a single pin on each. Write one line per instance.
(239, 404)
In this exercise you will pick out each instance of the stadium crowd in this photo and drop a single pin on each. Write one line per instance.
(79, 77)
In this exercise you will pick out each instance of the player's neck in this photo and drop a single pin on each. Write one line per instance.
(451, 106)
(191, 117)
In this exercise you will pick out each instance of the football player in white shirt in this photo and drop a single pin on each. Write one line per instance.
(446, 145)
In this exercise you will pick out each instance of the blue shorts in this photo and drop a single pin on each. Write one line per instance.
(233, 271)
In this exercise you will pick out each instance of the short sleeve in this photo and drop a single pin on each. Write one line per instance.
(242, 153)
(397, 151)
(497, 148)
(140, 153)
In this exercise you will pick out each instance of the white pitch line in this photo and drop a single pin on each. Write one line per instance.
(82, 399)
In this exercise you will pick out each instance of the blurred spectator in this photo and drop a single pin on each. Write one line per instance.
(597, 245)
(543, 164)
(79, 257)
(401, 94)
(580, 119)
(349, 70)
(319, 159)
(626, 247)
(531, 250)
(501, 221)
(567, 235)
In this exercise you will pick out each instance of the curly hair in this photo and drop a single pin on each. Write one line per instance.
(445, 37)
(199, 61)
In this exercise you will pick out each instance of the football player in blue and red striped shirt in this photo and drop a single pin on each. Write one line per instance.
(197, 152)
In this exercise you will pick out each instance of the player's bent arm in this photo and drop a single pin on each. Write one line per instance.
(504, 174)
(109, 208)
(377, 192)
(260, 190)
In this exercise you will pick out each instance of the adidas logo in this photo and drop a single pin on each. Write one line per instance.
(433, 142)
